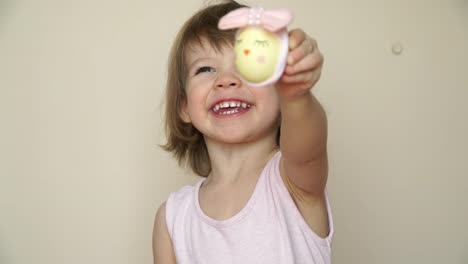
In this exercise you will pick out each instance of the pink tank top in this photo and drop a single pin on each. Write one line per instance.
(269, 229)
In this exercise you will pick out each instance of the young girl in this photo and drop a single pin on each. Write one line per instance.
(262, 152)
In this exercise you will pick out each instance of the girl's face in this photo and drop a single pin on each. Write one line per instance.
(220, 105)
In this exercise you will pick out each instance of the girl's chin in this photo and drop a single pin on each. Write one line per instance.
(237, 138)
(231, 140)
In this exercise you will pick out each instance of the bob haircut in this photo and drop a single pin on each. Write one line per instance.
(184, 141)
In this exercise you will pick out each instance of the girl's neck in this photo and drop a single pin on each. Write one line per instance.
(231, 163)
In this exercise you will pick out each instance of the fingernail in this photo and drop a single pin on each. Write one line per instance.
(290, 60)
(292, 44)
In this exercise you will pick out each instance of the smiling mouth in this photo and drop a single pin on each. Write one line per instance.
(230, 107)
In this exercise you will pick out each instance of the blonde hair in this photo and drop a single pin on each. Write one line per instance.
(184, 141)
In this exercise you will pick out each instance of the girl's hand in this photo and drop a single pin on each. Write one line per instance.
(304, 66)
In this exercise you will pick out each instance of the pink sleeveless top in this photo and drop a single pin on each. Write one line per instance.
(269, 229)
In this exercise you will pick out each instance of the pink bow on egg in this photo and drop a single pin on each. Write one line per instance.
(272, 20)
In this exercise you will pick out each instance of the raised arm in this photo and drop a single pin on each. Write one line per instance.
(303, 121)
(303, 143)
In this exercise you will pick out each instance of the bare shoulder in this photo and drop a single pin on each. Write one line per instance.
(163, 252)
(312, 206)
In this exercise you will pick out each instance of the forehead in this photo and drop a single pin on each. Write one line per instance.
(204, 48)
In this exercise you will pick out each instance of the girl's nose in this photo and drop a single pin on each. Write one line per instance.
(227, 80)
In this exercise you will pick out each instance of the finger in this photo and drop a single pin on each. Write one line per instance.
(307, 46)
(307, 78)
(296, 37)
(310, 62)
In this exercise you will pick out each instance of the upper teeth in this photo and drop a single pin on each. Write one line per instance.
(227, 104)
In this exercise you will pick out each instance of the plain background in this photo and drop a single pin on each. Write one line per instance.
(81, 85)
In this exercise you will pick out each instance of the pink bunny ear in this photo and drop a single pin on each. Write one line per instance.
(272, 20)
(275, 20)
(235, 19)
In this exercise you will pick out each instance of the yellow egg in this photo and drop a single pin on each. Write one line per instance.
(257, 53)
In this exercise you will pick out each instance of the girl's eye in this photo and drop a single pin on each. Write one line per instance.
(205, 69)
(262, 43)
(239, 41)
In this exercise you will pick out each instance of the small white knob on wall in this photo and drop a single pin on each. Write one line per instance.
(397, 48)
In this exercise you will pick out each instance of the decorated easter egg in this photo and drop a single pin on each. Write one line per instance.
(261, 45)
(257, 54)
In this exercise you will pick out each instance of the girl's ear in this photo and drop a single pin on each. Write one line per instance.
(184, 113)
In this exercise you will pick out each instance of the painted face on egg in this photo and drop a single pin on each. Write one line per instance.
(257, 53)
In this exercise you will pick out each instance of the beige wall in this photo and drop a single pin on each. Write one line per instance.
(80, 86)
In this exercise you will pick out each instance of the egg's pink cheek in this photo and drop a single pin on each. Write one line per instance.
(261, 59)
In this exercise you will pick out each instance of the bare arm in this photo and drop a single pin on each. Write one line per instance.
(163, 252)
(303, 125)
(304, 163)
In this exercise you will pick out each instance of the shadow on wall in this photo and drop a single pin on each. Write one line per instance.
(3, 258)
(464, 258)
(463, 4)
(5, 8)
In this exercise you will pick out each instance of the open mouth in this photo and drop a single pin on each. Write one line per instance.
(230, 107)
